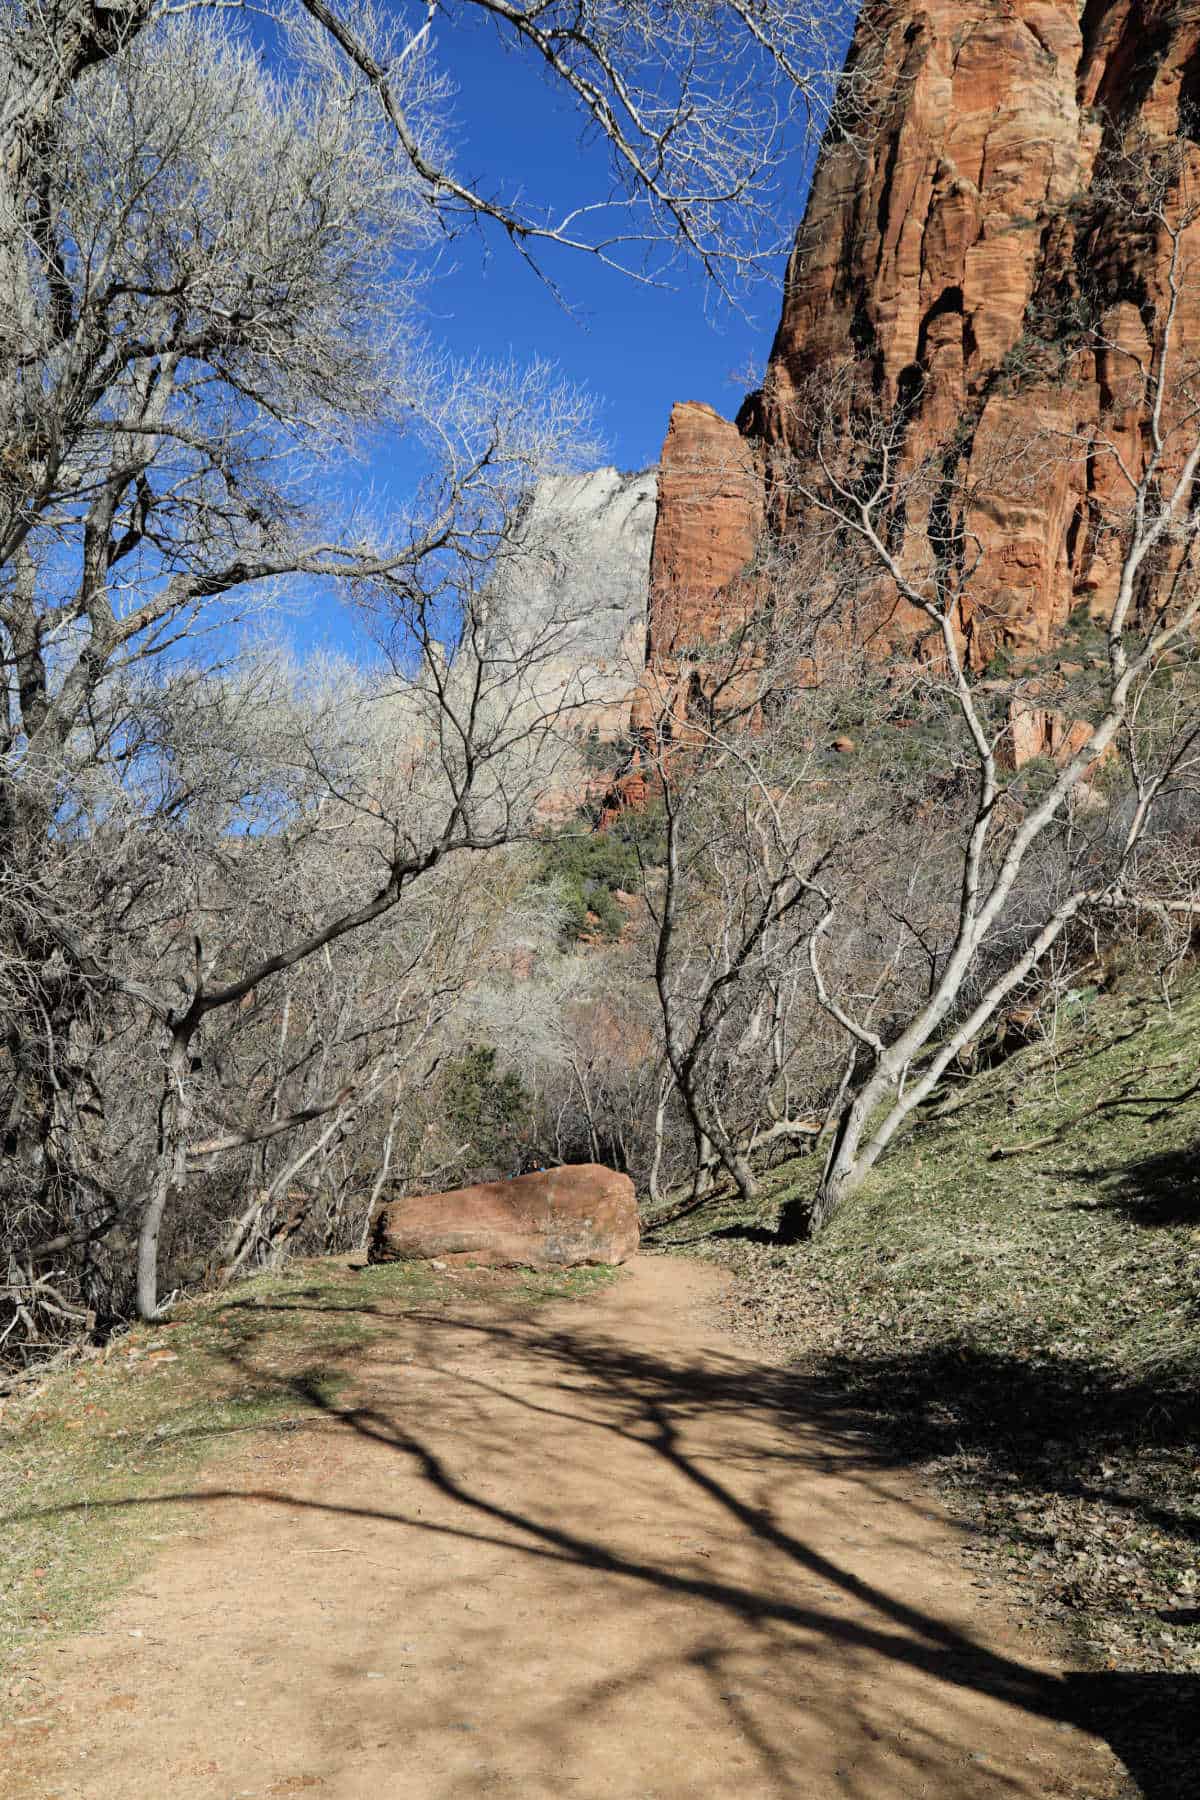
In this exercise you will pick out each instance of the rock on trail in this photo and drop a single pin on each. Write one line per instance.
(560, 1218)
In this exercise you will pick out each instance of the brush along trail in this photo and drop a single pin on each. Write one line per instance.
(591, 1548)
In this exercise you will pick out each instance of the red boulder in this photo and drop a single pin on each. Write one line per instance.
(581, 1213)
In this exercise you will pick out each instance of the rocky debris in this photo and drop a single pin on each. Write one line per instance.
(928, 266)
(556, 1219)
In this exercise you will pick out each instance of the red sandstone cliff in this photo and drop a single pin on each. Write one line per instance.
(709, 518)
(923, 260)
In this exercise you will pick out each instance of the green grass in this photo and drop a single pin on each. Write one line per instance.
(572, 1284)
(1087, 1248)
(127, 1424)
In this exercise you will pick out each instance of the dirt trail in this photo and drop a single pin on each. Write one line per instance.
(596, 1551)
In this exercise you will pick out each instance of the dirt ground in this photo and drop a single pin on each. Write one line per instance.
(596, 1550)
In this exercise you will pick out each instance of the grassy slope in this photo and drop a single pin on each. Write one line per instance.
(1028, 1327)
(146, 1413)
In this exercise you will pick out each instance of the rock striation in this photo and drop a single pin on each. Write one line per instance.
(557, 1219)
(968, 202)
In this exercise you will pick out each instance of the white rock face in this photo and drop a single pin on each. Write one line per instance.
(560, 654)
(571, 591)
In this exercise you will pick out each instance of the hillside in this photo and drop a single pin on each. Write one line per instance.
(1025, 1325)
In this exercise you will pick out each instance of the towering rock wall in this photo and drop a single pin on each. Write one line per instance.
(969, 205)
(569, 597)
(709, 518)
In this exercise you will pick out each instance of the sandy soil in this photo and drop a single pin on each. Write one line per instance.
(593, 1551)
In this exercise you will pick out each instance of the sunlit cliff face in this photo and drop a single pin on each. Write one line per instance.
(971, 254)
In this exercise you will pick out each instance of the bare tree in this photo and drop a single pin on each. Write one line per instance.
(693, 107)
(197, 306)
(210, 277)
(1083, 822)
(735, 756)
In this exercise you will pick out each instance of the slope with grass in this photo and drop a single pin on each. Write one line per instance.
(1014, 1301)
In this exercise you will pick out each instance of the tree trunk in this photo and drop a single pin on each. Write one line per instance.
(743, 1174)
(660, 1114)
(174, 1119)
(844, 1171)
(383, 1174)
(702, 1178)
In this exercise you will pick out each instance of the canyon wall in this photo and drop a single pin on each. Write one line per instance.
(569, 597)
(708, 523)
(954, 228)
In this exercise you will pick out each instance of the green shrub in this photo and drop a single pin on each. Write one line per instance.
(590, 867)
(487, 1109)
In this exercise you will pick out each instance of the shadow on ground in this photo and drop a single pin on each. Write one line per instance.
(1043, 1423)
(617, 1391)
(1157, 1190)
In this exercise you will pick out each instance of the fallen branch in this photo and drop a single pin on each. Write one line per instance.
(1165, 1101)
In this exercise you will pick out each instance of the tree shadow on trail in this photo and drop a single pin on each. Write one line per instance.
(736, 1234)
(1149, 1722)
(579, 1378)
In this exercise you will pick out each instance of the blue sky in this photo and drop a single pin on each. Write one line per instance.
(635, 349)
